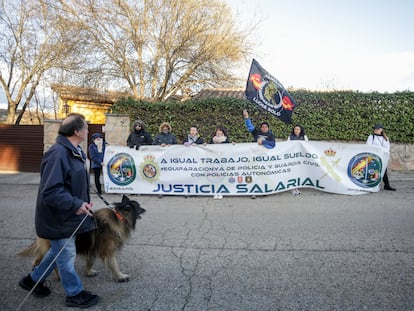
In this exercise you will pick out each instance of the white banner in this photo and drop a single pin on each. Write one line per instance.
(244, 168)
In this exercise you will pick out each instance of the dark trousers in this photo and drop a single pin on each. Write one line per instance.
(97, 174)
(385, 179)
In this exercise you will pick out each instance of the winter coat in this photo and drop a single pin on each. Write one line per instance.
(96, 156)
(294, 137)
(165, 138)
(269, 140)
(138, 138)
(64, 186)
(188, 140)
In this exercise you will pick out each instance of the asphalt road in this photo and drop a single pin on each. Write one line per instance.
(316, 251)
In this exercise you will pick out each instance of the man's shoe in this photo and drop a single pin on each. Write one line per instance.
(40, 291)
(389, 188)
(82, 300)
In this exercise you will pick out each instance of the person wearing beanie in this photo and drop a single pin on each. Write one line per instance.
(379, 138)
(96, 153)
(138, 136)
(165, 137)
(263, 136)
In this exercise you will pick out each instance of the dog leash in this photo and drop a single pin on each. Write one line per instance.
(103, 199)
(53, 261)
(118, 215)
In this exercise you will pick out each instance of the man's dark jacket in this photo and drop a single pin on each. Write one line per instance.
(64, 186)
(138, 138)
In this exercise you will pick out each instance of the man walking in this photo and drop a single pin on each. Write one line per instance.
(63, 207)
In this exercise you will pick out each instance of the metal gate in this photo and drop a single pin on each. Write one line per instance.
(21, 146)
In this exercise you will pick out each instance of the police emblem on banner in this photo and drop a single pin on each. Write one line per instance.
(149, 169)
(121, 169)
(364, 170)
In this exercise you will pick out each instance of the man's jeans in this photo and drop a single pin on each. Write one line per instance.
(65, 263)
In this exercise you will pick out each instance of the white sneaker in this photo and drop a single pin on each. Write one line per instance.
(219, 196)
(215, 197)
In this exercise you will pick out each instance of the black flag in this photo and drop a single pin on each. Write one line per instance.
(266, 92)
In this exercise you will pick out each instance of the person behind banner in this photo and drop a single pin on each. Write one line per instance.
(379, 138)
(263, 136)
(165, 137)
(219, 136)
(298, 133)
(96, 154)
(193, 138)
(138, 136)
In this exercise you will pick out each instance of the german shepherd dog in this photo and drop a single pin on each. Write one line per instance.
(114, 227)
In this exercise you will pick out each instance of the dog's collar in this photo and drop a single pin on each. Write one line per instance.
(118, 215)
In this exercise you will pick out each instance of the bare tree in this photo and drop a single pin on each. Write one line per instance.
(157, 48)
(154, 48)
(34, 39)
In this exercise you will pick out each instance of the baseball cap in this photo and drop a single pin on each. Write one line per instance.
(378, 126)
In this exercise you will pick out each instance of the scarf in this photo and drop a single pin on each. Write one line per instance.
(99, 144)
(219, 139)
(192, 139)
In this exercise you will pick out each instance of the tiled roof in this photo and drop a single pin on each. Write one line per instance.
(66, 92)
(76, 93)
(220, 92)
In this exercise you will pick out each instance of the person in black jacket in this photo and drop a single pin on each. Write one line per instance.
(63, 209)
(138, 136)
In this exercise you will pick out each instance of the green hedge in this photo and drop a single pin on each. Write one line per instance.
(343, 116)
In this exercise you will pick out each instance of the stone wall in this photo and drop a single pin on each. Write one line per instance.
(117, 129)
(402, 157)
(51, 129)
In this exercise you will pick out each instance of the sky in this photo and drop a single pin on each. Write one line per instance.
(360, 45)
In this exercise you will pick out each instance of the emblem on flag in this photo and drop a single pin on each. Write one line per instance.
(266, 92)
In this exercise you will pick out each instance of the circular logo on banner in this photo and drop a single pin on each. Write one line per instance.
(121, 169)
(364, 170)
(149, 169)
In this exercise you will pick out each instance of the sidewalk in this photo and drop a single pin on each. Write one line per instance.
(19, 178)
